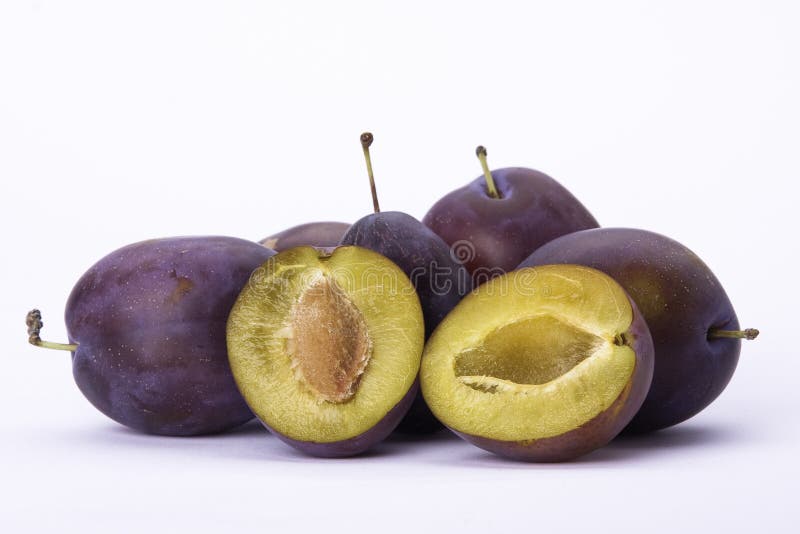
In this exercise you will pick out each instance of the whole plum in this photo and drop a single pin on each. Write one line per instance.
(321, 234)
(694, 326)
(146, 326)
(498, 219)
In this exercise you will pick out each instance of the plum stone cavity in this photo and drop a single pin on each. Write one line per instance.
(527, 352)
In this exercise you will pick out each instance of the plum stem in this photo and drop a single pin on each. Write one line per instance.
(34, 322)
(366, 141)
(481, 153)
(750, 333)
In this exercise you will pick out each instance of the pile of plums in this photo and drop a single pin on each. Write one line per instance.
(506, 315)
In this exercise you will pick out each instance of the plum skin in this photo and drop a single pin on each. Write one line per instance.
(440, 280)
(149, 320)
(602, 428)
(681, 300)
(533, 209)
(322, 234)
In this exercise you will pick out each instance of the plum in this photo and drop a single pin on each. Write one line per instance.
(542, 364)
(694, 327)
(146, 326)
(438, 277)
(496, 221)
(441, 281)
(325, 348)
(323, 234)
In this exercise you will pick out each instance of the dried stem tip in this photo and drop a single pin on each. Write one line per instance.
(749, 334)
(366, 139)
(34, 322)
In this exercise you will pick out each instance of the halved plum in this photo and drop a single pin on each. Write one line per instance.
(542, 364)
(326, 348)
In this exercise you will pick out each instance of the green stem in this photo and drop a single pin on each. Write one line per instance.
(481, 153)
(366, 141)
(750, 333)
(34, 322)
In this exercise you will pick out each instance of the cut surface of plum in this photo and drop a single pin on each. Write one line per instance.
(536, 355)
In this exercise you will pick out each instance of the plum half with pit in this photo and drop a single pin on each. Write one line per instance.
(321, 234)
(146, 326)
(440, 280)
(694, 326)
(326, 348)
(541, 364)
(497, 220)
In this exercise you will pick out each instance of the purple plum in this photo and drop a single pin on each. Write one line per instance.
(147, 329)
(497, 220)
(694, 326)
(323, 234)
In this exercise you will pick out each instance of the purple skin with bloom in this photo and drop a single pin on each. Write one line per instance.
(493, 235)
(149, 321)
(324, 234)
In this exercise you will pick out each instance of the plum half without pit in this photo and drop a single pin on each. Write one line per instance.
(326, 348)
(146, 327)
(541, 364)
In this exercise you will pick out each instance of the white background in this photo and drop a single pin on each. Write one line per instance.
(125, 122)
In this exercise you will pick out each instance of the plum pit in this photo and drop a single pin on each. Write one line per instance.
(330, 345)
